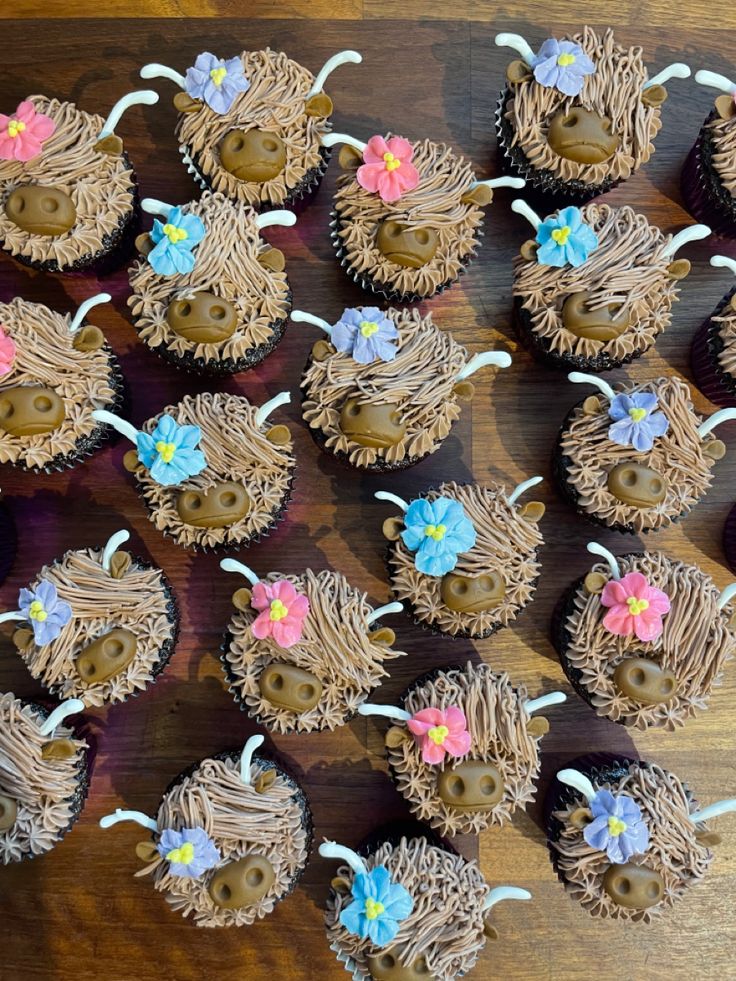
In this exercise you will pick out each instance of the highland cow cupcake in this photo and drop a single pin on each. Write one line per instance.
(626, 838)
(463, 557)
(230, 839)
(55, 371)
(595, 287)
(644, 638)
(382, 392)
(209, 295)
(251, 127)
(301, 653)
(580, 115)
(68, 193)
(44, 772)
(212, 472)
(637, 459)
(464, 748)
(713, 352)
(99, 625)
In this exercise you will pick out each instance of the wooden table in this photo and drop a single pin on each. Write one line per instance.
(78, 913)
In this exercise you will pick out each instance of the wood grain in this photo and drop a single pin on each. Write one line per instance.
(78, 913)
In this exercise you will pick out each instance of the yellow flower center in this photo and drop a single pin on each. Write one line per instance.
(435, 531)
(217, 75)
(373, 909)
(175, 234)
(37, 611)
(615, 826)
(565, 59)
(637, 606)
(391, 162)
(166, 450)
(15, 126)
(183, 855)
(368, 328)
(438, 735)
(637, 414)
(561, 235)
(278, 610)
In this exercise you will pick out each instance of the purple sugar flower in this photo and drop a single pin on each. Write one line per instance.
(365, 333)
(45, 612)
(216, 81)
(562, 65)
(189, 851)
(635, 423)
(617, 827)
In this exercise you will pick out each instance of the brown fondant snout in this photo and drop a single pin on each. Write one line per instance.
(386, 966)
(463, 594)
(203, 319)
(582, 135)
(601, 324)
(378, 426)
(41, 210)
(633, 886)
(217, 507)
(636, 485)
(405, 246)
(30, 410)
(107, 656)
(645, 681)
(241, 883)
(288, 687)
(254, 155)
(473, 785)
(8, 812)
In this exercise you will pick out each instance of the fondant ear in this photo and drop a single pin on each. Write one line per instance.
(538, 726)
(595, 583)
(518, 71)
(279, 435)
(528, 251)
(58, 749)
(22, 638)
(732, 302)
(395, 736)
(88, 338)
(591, 406)
(392, 528)
(143, 243)
(708, 838)
(725, 106)
(319, 104)
(732, 621)
(533, 511)
(264, 781)
(112, 145)
(272, 259)
(489, 931)
(185, 103)
(384, 635)
(464, 390)
(120, 562)
(322, 350)
(349, 158)
(242, 598)
(147, 851)
(480, 195)
(581, 817)
(654, 96)
(678, 268)
(340, 885)
(714, 450)
(131, 461)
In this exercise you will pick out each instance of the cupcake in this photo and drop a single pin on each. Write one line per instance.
(251, 126)
(44, 772)
(68, 193)
(409, 909)
(464, 748)
(626, 838)
(579, 116)
(55, 370)
(301, 653)
(407, 215)
(463, 557)
(644, 638)
(383, 391)
(98, 625)
(8, 540)
(637, 459)
(595, 287)
(209, 295)
(211, 471)
(713, 352)
(230, 839)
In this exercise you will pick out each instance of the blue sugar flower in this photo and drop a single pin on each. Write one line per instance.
(617, 827)
(45, 612)
(365, 334)
(378, 907)
(562, 65)
(635, 421)
(189, 851)
(169, 453)
(438, 531)
(564, 239)
(216, 81)
(174, 240)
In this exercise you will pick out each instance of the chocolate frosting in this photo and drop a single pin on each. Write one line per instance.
(335, 647)
(434, 203)
(276, 102)
(446, 923)
(45, 356)
(44, 790)
(627, 270)
(673, 852)
(678, 456)
(727, 335)
(723, 134)
(236, 449)
(613, 91)
(506, 543)
(226, 266)
(100, 185)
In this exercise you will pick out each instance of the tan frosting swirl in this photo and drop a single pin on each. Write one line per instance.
(727, 334)
(678, 455)
(497, 722)
(44, 790)
(673, 851)
(434, 203)
(101, 186)
(236, 448)
(45, 356)
(506, 543)
(723, 134)
(335, 646)
(445, 925)
(627, 269)
(274, 102)
(226, 266)
(138, 602)
(421, 378)
(240, 821)
(613, 91)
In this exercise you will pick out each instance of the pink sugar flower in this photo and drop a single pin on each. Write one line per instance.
(22, 134)
(387, 168)
(7, 353)
(635, 607)
(282, 612)
(440, 733)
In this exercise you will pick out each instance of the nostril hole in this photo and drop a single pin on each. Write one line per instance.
(254, 878)
(656, 486)
(113, 648)
(569, 121)
(488, 786)
(623, 885)
(456, 786)
(237, 144)
(87, 669)
(217, 313)
(6, 409)
(49, 205)
(628, 478)
(420, 966)
(276, 681)
(228, 499)
(394, 231)
(19, 203)
(42, 403)
(637, 677)
(668, 686)
(270, 145)
(460, 587)
(223, 892)
(353, 409)
(305, 692)
(653, 890)
(184, 309)
(422, 236)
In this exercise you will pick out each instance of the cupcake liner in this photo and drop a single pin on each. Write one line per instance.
(729, 539)
(704, 195)
(8, 541)
(715, 383)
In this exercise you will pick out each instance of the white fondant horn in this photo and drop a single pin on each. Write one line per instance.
(501, 359)
(267, 408)
(85, 307)
(387, 711)
(395, 499)
(578, 780)
(516, 182)
(12, 615)
(279, 217)
(300, 317)
(523, 209)
(113, 543)
(517, 42)
(580, 378)
(331, 849)
(551, 698)
(153, 206)
(120, 815)
(499, 893)
(676, 70)
(714, 810)
(522, 488)
(382, 611)
(723, 415)
(692, 233)
(246, 757)
(726, 595)
(232, 565)
(724, 262)
(341, 58)
(154, 70)
(70, 707)
(715, 81)
(144, 97)
(595, 549)
(332, 139)
(120, 425)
